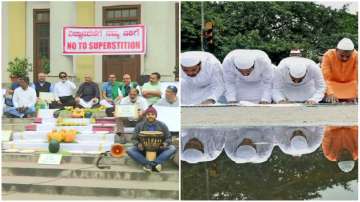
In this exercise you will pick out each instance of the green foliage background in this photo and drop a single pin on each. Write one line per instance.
(274, 27)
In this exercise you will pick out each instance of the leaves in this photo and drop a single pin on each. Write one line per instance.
(275, 27)
(19, 67)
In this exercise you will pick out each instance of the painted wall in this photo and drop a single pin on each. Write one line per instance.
(85, 16)
(159, 17)
(61, 14)
(15, 37)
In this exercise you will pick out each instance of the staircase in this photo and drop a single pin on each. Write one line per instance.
(77, 178)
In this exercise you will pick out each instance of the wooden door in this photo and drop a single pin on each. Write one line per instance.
(41, 18)
(121, 64)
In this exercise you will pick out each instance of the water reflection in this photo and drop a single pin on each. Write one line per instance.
(201, 145)
(267, 163)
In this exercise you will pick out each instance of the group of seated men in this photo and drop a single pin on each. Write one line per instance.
(248, 75)
(21, 97)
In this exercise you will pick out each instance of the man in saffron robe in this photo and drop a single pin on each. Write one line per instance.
(339, 68)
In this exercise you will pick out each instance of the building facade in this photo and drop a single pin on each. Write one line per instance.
(34, 30)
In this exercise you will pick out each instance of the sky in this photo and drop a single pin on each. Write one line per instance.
(353, 7)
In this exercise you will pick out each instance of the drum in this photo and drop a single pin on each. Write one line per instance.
(151, 141)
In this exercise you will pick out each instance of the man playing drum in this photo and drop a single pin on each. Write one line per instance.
(139, 150)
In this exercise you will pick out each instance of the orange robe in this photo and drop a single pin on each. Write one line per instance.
(340, 77)
(338, 138)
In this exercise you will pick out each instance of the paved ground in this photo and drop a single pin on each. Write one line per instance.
(231, 116)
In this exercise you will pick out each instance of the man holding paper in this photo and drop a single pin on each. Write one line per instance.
(165, 151)
(88, 93)
(134, 99)
(44, 91)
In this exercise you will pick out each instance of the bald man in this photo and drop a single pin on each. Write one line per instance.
(42, 85)
(88, 93)
(126, 85)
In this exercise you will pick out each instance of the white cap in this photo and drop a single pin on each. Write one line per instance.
(299, 144)
(190, 59)
(244, 61)
(346, 166)
(297, 70)
(345, 44)
(246, 152)
(192, 156)
(295, 51)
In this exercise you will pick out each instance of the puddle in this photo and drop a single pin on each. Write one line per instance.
(270, 163)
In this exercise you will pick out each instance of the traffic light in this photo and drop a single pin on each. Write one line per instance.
(208, 32)
(208, 36)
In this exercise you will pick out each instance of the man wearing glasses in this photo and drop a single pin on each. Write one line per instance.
(64, 90)
(248, 76)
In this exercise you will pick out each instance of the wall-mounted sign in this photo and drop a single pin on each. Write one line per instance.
(108, 40)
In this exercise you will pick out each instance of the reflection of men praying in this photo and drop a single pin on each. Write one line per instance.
(297, 141)
(249, 144)
(199, 145)
(340, 144)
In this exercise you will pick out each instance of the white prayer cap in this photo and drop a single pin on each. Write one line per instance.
(192, 156)
(244, 61)
(246, 152)
(299, 144)
(346, 166)
(345, 44)
(295, 51)
(297, 70)
(190, 59)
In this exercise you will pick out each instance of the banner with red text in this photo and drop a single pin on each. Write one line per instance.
(114, 40)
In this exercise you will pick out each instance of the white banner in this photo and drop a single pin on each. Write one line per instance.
(110, 40)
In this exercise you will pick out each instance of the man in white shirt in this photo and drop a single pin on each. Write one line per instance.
(248, 76)
(170, 99)
(134, 99)
(298, 79)
(64, 90)
(24, 100)
(201, 78)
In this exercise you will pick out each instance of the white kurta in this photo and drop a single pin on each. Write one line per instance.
(283, 135)
(253, 88)
(262, 138)
(24, 98)
(213, 141)
(312, 87)
(207, 84)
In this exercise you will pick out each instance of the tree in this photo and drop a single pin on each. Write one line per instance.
(274, 27)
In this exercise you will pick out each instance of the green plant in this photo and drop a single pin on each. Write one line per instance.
(19, 67)
(45, 63)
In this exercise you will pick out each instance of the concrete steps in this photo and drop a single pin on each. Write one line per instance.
(83, 171)
(78, 176)
(90, 187)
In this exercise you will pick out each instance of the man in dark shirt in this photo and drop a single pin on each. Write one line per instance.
(166, 150)
(88, 93)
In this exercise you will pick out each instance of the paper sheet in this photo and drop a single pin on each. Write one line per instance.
(170, 116)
